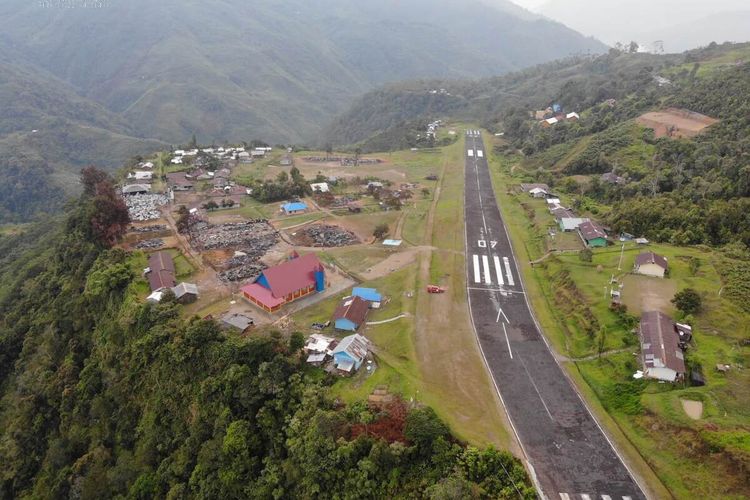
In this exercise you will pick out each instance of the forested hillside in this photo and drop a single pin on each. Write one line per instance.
(47, 133)
(102, 396)
(236, 70)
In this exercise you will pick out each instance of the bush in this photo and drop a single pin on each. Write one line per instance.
(688, 301)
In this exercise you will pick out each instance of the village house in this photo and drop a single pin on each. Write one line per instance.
(318, 348)
(538, 192)
(592, 234)
(160, 271)
(573, 117)
(294, 207)
(244, 157)
(661, 355)
(651, 264)
(141, 175)
(528, 187)
(350, 314)
(279, 285)
(236, 322)
(560, 212)
(370, 295)
(177, 181)
(186, 293)
(548, 122)
(568, 224)
(321, 187)
(350, 353)
(136, 189)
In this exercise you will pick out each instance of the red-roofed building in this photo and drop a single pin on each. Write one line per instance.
(160, 272)
(286, 282)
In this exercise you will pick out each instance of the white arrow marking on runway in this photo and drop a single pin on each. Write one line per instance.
(486, 266)
(476, 269)
(499, 312)
(507, 271)
(498, 270)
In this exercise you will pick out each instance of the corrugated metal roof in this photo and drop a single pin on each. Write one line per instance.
(293, 275)
(651, 258)
(660, 342)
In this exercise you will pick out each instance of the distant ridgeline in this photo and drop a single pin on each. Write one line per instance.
(671, 132)
(105, 396)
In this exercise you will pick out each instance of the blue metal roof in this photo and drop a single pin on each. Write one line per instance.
(369, 294)
(293, 207)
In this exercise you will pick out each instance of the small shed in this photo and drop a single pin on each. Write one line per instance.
(296, 207)
(186, 293)
(236, 321)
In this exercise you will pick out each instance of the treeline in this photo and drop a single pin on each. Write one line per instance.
(105, 396)
(285, 187)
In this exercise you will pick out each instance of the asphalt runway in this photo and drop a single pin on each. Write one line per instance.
(568, 453)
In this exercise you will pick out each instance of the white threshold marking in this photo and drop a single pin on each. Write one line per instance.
(507, 271)
(488, 289)
(564, 496)
(476, 269)
(486, 267)
(480, 153)
(507, 341)
(498, 270)
(584, 496)
(606, 497)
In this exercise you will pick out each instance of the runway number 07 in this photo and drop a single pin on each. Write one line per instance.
(483, 244)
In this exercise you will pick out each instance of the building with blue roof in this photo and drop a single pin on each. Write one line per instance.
(368, 294)
(295, 207)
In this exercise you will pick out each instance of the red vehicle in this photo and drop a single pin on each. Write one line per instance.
(435, 289)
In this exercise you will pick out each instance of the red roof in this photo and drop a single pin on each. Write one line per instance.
(651, 258)
(354, 309)
(293, 275)
(161, 274)
(591, 230)
(262, 295)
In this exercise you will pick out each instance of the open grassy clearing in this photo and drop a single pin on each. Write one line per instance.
(692, 458)
(431, 355)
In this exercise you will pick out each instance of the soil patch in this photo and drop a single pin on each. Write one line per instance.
(644, 293)
(693, 409)
(675, 122)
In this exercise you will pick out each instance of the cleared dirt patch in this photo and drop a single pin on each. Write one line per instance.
(673, 122)
(693, 409)
(643, 293)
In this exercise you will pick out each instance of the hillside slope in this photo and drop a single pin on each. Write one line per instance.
(47, 132)
(237, 70)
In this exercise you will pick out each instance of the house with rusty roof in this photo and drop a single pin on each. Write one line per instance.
(160, 271)
(661, 354)
(293, 279)
(350, 353)
(651, 264)
(592, 234)
(350, 314)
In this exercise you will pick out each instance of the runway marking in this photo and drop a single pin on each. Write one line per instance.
(476, 269)
(486, 267)
(480, 153)
(584, 496)
(507, 271)
(498, 270)
(606, 497)
(564, 496)
(499, 312)
(470, 153)
(502, 290)
(627, 498)
(531, 379)
(507, 341)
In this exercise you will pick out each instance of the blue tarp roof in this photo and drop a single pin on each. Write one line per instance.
(291, 207)
(369, 294)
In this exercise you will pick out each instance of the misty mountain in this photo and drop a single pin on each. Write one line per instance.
(233, 69)
(680, 24)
